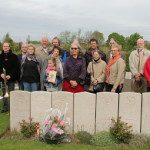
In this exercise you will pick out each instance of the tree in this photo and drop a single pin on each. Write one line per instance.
(119, 38)
(8, 39)
(28, 39)
(131, 42)
(99, 36)
(65, 37)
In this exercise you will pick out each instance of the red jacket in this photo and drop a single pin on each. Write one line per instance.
(147, 71)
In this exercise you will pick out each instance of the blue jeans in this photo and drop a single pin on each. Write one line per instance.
(10, 85)
(30, 87)
(20, 84)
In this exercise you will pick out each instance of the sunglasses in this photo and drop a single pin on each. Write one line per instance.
(74, 48)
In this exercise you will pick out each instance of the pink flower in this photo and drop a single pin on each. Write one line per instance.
(56, 118)
(54, 125)
(62, 123)
(46, 122)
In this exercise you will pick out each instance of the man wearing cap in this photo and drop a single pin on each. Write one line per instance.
(137, 60)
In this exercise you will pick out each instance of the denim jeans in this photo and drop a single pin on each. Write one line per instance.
(20, 84)
(10, 85)
(30, 87)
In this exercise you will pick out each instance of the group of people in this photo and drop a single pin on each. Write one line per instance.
(55, 69)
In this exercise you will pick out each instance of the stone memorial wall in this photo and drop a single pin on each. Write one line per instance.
(86, 111)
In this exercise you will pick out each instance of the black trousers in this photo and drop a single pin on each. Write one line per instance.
(110, 86)
(148, 89)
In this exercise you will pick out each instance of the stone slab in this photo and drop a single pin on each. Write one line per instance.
(128, 75)
(19, 108)
(145, 126)
(40, 103)
(84, 112)
(106, 109)
(60, 100)
(130, 109)
(127, 86)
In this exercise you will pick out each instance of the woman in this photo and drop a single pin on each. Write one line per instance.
(55, 54)
(74, 70)
(147, 73)
(115, 72)
(97, 69)
(30, 69)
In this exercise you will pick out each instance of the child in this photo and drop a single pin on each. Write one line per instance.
(52, 86)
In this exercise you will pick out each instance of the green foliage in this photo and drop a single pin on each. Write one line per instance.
(84, 137)
(140, 140)
(28, 129)
(102, 139)
(127, 60)
(99, 36)
(119, 38)
(120, 131)
(131, 41)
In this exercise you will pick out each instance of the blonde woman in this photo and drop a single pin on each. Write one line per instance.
(30, 69)
(115, 72)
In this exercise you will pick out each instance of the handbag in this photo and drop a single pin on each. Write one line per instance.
(99, 86)
(87, 80)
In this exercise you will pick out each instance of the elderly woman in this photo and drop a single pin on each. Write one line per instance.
(74, 70)
(115, 72)
(55, 54)
(97, 69)
(30, 69)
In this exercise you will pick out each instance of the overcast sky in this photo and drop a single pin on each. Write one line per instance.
(39, 18)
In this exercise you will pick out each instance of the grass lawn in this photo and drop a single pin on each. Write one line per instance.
(8, 144)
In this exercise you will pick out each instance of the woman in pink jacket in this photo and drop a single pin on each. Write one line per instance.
(147, 73)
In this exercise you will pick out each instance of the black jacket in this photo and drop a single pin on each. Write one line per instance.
(9, 61)
(88, 56)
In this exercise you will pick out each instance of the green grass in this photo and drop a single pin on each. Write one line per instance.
(4, 122)
(32, 145)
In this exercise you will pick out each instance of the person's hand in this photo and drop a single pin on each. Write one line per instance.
(2, 75)
(137, 79)
(54, 82)
(95, 82)
(29, 58)
(137, 75)
(113, 90)
(73, 83)
(149, 81)
(48, 78)
(8, 77)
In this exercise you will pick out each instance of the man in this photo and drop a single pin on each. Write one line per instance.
(43, 50)
(109, 55)
(24, 48)
(89, 52)
(137, 60)
(63, 54)
(9, 62)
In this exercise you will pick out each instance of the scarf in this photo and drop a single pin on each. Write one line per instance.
(112, 61)
(50, 69)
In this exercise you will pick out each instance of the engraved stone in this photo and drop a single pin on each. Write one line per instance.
(130, 109)
(63, 100)
(84, 112)
(106, 109)
(19, 108)
(145, 128)
(40, 103)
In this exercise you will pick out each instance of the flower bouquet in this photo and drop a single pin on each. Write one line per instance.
(55, 126)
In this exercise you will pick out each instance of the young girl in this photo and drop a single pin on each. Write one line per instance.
(52, 86)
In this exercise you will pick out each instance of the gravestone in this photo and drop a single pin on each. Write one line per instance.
(127, 83)
(40, 103)
(19, 108)
(64, 102)
(84, 112)
(145, 126)
(106, 109)
(130, 109)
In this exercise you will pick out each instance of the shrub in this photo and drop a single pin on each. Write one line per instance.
(120, 131)
(140, 140)
(84, 137)
(102, 139)
(28, 129)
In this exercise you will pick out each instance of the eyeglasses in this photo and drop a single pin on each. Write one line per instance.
(74, 48)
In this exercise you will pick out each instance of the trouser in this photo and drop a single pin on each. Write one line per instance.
(148, 89)
(10, 85)
(110, 86)
(30, 87)
(21, 86)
